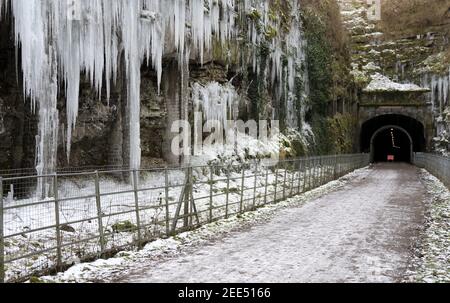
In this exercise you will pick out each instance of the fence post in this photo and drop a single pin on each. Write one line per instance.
(310, 173)
(285, 179)
(2, 240)
(266, 186)
(305, 174)
(58, 224)
(291, 187)
(330, 169)
(99, 212)
(299, 176)
(187, 198)
(319, 171)
(166, 190)
(276, 185)
(227, 199)
(255, 185)
(241, 205)
(136, 206)
(211, 189)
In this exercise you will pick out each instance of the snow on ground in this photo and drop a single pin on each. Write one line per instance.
(126, 263)
(78, 213)
(361, 232)
(432, 254)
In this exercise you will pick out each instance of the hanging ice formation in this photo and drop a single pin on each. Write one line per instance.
(439, 96)
(61, 39)
(288, 47)
(217, 102)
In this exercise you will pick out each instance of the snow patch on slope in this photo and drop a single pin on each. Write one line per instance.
(381, 83)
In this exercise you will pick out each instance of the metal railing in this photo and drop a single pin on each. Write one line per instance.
(437, 165)
(90, 215)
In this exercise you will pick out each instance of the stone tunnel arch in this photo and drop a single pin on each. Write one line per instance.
(392, 134)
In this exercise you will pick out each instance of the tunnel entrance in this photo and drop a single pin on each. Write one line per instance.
(396, 136)
(391, 143)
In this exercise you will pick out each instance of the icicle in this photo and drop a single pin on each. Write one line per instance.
(85, 34)
(217, 102)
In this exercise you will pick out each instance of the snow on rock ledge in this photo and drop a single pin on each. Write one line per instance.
(382, 83)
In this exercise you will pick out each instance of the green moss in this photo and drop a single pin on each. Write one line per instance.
(271, 32)
(342, 131)
(232, 190)
(254, 15)
(125, 226)
(319, 56)
(36, 280)
(334, 135)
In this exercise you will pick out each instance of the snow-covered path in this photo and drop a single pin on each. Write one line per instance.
(362, 232)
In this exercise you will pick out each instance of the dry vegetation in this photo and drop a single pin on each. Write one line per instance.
(411, 17)
(328, 11)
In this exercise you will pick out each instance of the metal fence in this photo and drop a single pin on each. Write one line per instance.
(89, 215)
(437, 165)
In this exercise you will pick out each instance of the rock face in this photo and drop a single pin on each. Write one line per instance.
(409, 44)
(269, 69)
(17, 122)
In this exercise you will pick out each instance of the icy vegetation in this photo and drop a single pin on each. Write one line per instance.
(431, 263)
(61, 41)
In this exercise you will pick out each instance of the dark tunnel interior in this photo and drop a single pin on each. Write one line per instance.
(391, 135)
(393, 143)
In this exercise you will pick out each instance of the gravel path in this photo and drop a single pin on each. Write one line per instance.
(362, 232)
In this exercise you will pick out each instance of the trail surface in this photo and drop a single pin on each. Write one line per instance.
(362, 232)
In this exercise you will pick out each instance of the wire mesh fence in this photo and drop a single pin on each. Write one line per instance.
(87, 215)
(437, 165)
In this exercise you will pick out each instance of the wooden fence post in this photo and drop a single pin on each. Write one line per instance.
(99, 213)
(57, 223)
(2, 239)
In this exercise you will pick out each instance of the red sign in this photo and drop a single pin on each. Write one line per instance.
(390, 158)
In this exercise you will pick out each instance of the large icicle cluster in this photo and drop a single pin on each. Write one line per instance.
(284, 47)
(62, 39)
(440, 91)
(439, 97)
(88, 36)
(217, 102)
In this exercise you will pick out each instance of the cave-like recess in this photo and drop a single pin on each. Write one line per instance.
(377, 133)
